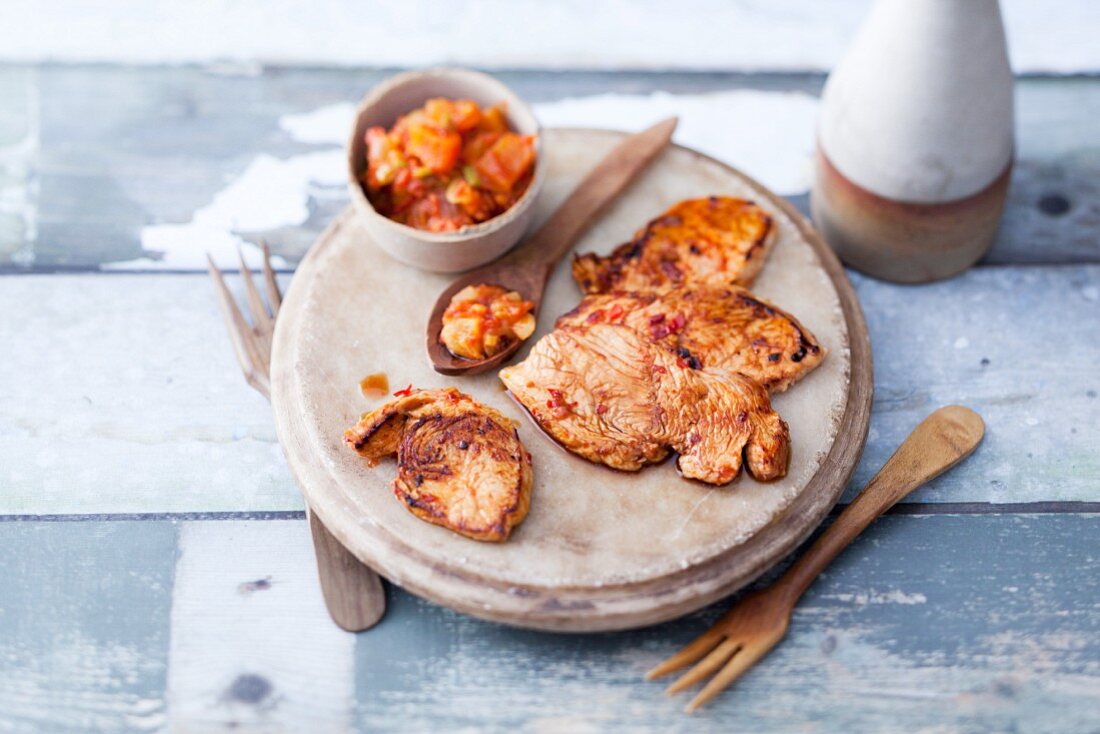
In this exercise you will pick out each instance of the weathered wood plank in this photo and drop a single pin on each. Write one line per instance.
(119, 393)
(91, 156)
(252, 645)
(1016, 344)
(123, 394)
(83, 625)
(975, 624)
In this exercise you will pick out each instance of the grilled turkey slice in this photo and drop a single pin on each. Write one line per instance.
(460, 464)
(607, 393)
(718, 240)
(714, 327)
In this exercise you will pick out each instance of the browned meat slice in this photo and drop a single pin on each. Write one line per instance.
(718, 240)
(713, 327)
(460, 464)
(607, 393)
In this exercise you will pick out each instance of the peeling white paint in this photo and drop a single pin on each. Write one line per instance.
(330, 124)
(768, 135)
(270, 193)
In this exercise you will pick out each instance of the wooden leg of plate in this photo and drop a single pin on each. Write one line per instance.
(353, 593)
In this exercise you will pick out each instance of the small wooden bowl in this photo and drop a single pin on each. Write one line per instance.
(441, 252)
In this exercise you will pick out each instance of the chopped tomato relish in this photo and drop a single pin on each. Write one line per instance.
(483, 320)
(447, 165)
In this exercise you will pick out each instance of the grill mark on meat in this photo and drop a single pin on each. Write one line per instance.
(690, 359)
(806, 345)
(459, 464)
(718, 239)
(722, 327)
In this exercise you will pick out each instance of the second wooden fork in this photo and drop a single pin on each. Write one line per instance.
(748, 631)
(353, 593)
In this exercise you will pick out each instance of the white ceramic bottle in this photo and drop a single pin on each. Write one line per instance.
(915, 140)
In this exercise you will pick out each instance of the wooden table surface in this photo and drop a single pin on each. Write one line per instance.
(155, 566)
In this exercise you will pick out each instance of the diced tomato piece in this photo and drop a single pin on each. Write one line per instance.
(494, 120)
(477, 145)
(467, 115)
(506, 162)
(383, 158)
(460, 192)
(470, 200)
(435, 147)
(406, 189)
(434, 213)
(406, 122)
(459, 114)
(441, 111)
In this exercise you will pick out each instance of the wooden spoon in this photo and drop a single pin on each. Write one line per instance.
(527, 268)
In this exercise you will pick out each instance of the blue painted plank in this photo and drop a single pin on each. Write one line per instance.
(960, 623)
(948, 623)
(97, 153)
(84, 629)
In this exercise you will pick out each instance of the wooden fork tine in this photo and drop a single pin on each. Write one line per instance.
(260, 317)
(273, 295)
(689, 654)
(244, 346)
(742, 661)
(712, 662)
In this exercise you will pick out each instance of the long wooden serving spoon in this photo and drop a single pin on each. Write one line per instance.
(749, 630)
(527, 268)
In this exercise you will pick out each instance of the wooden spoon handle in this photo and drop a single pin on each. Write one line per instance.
(941, 441)
(599, 188)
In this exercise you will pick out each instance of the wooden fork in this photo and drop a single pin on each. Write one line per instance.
(353, 593)
(749, 630)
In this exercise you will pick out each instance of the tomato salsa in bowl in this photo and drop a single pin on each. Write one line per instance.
(444, 168)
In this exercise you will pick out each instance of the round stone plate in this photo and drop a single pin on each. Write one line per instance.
(600, 549)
